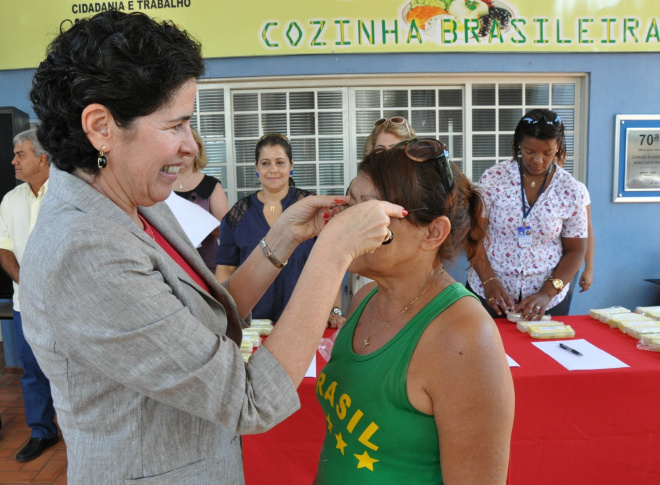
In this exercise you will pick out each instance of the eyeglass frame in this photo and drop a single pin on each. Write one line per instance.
(442, 157)
(530, 121)
(387, 121)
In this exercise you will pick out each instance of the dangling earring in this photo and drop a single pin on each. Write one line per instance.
(257, 174)
(102, 161)
(291, 172)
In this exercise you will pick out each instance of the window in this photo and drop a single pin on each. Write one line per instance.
(328, 121)
(497, 108)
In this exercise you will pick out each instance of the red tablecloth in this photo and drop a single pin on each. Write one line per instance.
(596, 427)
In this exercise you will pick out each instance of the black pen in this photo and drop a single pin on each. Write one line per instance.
(566, 347)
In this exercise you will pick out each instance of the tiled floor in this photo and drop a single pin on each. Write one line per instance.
(50, 467)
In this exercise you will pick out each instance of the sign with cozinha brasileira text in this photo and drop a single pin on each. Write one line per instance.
(285, 27)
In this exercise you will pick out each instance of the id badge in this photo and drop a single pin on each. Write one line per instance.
(524, 236)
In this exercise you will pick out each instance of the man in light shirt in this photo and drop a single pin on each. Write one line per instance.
(18, 214)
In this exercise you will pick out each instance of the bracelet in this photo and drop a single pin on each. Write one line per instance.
(488, 281)
(271, 257)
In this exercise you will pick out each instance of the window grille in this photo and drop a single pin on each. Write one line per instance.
(329, 119)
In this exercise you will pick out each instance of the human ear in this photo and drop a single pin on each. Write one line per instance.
(96, 121)
(437, 232)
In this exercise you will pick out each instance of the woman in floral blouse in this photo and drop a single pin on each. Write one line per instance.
(538, 224)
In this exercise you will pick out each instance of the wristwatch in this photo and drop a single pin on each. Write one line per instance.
(557, 284)
(337, 311)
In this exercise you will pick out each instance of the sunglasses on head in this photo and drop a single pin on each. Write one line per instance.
(425, 149)
(395, 120)
(274, 135)
(531, 121)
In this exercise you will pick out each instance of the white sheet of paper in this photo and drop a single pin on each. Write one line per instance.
(512, 363)
(195, 221)
(592, 357)
(311, 372)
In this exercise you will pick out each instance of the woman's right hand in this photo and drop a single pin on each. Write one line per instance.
(362, 228)
(497, 297)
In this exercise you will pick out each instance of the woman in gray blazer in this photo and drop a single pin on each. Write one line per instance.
(137, 337)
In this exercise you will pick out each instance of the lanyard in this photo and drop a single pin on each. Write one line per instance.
(522, 193)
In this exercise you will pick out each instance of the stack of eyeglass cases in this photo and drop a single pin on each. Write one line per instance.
(546, 328)
(642, 324)
(252, 336)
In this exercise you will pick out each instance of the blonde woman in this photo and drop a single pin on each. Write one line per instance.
(385, 133)
(206, 192)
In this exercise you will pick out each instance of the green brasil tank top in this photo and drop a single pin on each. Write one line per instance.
(373, 434)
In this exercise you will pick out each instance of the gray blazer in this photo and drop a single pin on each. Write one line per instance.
(147, 385)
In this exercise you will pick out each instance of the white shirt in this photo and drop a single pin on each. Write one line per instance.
(18, 215)
(560, 212)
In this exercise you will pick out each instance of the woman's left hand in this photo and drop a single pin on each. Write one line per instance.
(308, 216)
(532, 308)
(586, 279)
(335, 321)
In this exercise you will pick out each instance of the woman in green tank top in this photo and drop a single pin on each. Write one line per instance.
(418, 389)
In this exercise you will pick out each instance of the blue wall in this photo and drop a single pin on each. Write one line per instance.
(627, 235)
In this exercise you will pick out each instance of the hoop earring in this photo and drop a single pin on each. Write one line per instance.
(102, 162)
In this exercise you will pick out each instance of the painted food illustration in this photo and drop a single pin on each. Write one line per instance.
(428, 13)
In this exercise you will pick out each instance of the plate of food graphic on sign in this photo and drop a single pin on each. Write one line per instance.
(447, 21)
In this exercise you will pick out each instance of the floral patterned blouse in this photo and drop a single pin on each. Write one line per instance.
(559, 212)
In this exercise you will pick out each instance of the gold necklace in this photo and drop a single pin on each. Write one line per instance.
(370, 335)
(271, 208)
(187, 178)
(532, 181)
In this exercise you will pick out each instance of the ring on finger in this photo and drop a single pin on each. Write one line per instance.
(388, 239)
(491, 299)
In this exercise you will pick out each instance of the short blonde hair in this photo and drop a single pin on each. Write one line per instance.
(401, 130)
(201, 159)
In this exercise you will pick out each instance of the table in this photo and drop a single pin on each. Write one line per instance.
(584, 427)
(598, 427)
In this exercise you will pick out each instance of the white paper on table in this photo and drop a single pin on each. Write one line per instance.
(592, 357)
(195, 221)
(512, 363)
(311, 372)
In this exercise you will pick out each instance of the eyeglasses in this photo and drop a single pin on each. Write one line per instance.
(532, 121)
(425, 149)
(395, 120)
(274, 135)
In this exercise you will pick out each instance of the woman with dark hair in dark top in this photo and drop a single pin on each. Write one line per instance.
(252, 217)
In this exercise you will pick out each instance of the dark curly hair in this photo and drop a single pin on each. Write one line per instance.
(422, 186)
(542, 124)
(129, 63)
